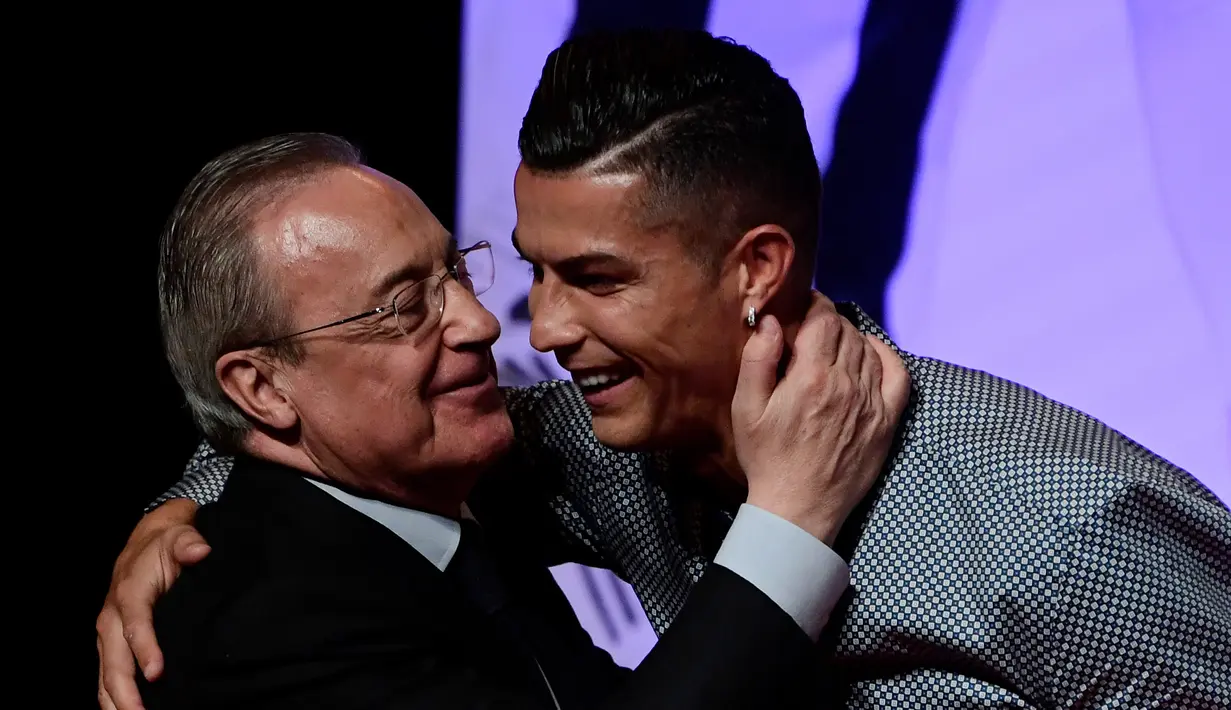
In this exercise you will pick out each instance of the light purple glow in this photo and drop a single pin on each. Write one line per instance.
(1065, 231)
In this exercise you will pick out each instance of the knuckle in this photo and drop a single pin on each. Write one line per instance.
(844, 383)
(875, 371)
(177, 534)
(867, 403)
(824, 327)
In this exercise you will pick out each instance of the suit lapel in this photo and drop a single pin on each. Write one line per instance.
(355, 548)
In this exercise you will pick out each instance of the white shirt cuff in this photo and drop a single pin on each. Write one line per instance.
(790, 566)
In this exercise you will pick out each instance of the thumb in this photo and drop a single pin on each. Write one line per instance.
(758, 370)
(187, 546)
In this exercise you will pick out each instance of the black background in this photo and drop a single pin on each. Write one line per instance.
(116, 433)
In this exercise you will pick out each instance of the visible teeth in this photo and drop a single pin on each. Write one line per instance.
(598, 380)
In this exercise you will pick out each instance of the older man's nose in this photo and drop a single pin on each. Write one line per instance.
(465, 321)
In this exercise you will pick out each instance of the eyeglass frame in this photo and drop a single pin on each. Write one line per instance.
(450, 270)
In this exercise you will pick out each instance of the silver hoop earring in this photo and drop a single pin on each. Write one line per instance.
(752, 316)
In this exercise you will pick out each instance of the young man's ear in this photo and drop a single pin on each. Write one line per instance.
(764, 256)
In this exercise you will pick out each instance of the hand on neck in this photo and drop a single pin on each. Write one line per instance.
(716, 463)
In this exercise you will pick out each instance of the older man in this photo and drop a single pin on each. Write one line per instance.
(324, 328)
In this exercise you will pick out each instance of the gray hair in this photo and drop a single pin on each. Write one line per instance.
(213, 297)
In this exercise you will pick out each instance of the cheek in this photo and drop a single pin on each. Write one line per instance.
(695, 351)
(377, 381)
(623, 326)
(400, 377)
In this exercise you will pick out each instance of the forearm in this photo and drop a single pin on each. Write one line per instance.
(791, 566)
(731, 646)
(177, 511)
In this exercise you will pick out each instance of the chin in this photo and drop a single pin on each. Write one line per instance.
(627, 433)
(474, 444)
(492, 435)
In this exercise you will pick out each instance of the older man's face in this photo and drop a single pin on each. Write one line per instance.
(377, 408)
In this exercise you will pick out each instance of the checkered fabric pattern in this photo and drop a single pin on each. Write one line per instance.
(1017, 553)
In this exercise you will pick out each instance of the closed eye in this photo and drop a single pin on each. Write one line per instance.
(597, 284)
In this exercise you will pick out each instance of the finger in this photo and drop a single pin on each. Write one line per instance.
(116, 662)
(821, 301)
(136, 607)
(758, 370)
(821, 329)
(895, 379)
(850, 349)
(188, 547)
(870, 374)
(817, 340)
(104, 700)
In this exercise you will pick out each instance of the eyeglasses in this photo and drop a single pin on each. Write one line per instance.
(420, 305)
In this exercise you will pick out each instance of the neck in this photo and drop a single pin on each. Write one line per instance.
(441, 495)
(714, 461)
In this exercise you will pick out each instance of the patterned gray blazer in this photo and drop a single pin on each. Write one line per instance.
(1016, 552)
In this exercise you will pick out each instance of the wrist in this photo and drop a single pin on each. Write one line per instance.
(819, 521)
(177, 511)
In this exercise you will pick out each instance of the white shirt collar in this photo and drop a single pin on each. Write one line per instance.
(433, 536)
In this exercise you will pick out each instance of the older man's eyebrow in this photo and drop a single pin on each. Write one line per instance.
(413, 271)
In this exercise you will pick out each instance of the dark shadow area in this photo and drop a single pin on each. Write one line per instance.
(130, 158)
(593, 15)
(871, 174)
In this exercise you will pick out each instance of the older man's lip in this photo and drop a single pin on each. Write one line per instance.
(473, 387)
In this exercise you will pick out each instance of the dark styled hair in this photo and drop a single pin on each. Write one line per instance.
(719, 138)
(213, 294)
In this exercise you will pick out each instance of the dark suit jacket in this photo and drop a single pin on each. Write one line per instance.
(306, 603)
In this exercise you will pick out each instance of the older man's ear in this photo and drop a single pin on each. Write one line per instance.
(257, 387)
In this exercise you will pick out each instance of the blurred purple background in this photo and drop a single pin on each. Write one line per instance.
(1062, 229)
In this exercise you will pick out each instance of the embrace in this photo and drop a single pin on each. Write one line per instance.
(810, 516)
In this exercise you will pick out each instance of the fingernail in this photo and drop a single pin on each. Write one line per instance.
(151, 669)
(198, 547)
